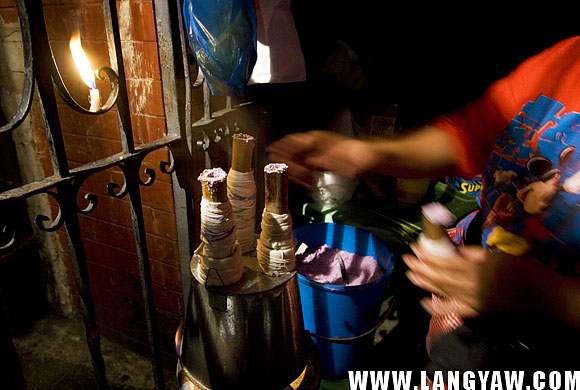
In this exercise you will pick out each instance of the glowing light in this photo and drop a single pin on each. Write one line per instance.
(262, 73)
(81, 61)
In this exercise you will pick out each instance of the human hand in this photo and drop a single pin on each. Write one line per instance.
(319, 150)
(477, 280)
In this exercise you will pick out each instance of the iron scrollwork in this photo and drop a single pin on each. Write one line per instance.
(70, 196)
(43, 222)
(28, 86)
(113, 187)
(93, 200)
(71, 102)
(7, 237)
(168, 167)
(131, 168)
(42, 74)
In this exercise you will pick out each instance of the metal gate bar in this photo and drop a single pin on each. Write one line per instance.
(188, 146)
(41, 68)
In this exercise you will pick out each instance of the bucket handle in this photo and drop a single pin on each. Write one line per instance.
(347, 340)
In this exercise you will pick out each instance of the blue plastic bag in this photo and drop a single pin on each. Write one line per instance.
(223, 36)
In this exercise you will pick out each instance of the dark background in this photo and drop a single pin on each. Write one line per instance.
(426, 59)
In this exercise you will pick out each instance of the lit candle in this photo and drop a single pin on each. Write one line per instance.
(84, 67)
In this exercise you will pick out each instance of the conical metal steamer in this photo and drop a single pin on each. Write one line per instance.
(244, 333)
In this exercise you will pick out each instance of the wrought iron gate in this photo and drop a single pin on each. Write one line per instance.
(188, 142)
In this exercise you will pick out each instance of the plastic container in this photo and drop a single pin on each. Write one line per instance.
(334, 312)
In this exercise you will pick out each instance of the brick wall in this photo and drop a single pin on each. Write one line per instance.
(107, 231)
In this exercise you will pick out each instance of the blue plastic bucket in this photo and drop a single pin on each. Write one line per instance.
(338, 312)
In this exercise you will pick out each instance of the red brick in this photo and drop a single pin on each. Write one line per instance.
(126, 285)
(99, 275)
(98, 54)
(166, 275)
(8, 15)
(145, 96)
(46, 166)
(116, 302)
(93, 22)
(140, 135)
(104, 126)
(7, 3)
(131, 309)
(158, 196)
(108, 233)
(156, 127)
(153, 160)
(111, 210)
(36, 115)
(97, 183)
(136, 21)
(66, 2)
(160, 223)
(60, 20)
(102, 297)
(168, 322)
(134, 328)
(71, 123)
(133, 266)
(77, 148)
(218, 102)
(40, 139)
(74, 165)
(197, 111)
(112, 257)
(105, 147)
(88, 149)
(105, 317)
(84, 149)
(167, 299)
(163, 249)
(148, 128)
(141, 60)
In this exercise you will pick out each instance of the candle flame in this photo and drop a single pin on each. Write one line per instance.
(81, 61)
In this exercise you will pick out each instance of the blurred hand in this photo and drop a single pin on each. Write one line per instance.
(319, 151)
(477, 280)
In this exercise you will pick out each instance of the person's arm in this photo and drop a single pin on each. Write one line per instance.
(493, 282)
(458, 143)
(422, 153)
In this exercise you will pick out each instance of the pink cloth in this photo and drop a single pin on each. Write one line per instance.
(322, 265)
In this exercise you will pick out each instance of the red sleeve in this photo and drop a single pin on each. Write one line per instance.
(475, 126)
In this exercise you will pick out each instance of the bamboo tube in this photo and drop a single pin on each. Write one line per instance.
(436, 218)
(434, 231)
(276, 183)
(213, 185)
(242, 147)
